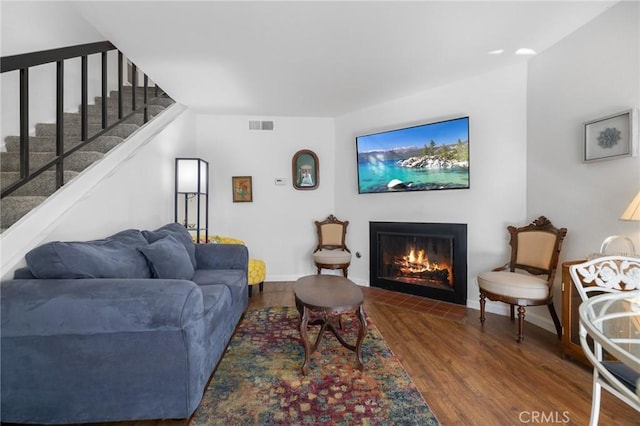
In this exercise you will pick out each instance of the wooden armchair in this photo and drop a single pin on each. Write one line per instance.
(527, 280)
(331, 251)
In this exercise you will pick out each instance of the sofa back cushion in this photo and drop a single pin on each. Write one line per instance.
(113, 257)
(177, 231)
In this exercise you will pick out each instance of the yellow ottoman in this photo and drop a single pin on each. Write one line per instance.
(257, 273)
(257, 268)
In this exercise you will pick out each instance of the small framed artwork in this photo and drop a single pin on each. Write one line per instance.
(610, 137)
(305, 169)
(242, 189)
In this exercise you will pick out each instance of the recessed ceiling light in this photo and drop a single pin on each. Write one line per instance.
(496, 52)
(525, 51)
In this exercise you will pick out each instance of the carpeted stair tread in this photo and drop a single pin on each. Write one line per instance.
(123, 130)
(42, 185)
(127, 97)
(94, 115)
(49, 129)
(15, 207)
(48, 143)
(112, 109)
(78, 161)
(74, 119)
(96, 120)
(152, 110)
(127, 92)
(112, 103)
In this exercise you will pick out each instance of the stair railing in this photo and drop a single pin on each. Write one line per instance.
(23, 62)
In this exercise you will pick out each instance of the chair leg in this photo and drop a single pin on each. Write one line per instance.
(261, 286)
(521, 311)
(250, 288)
(344, 272)
(482, 303)
(511, 309)
(595, 400)
(556, 320)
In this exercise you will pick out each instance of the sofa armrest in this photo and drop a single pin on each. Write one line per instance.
(222, 256)
(93, 306)
(23, 274)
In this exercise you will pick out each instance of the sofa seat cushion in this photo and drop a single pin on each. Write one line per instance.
(113, 257)
(179, 232)
(235, 280)
(513, 284)
(168, 259)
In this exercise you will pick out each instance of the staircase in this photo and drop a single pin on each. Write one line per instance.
(42, 149)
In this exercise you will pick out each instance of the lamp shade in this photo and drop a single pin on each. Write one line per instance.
(190, 171)
(633, 210)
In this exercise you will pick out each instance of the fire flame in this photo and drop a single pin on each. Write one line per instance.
(416, 267)
(415, 262)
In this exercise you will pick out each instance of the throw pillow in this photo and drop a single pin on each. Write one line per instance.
(168, 259)
(113, 257)
(179, 232)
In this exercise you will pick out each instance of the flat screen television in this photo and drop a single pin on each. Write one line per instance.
(426, 157)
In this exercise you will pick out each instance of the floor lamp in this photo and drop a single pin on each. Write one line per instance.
(192, 196)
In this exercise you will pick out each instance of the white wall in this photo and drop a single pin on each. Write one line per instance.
(593, 72)
(495, 104)
(30, 26)
(278, 225)
(33, 26)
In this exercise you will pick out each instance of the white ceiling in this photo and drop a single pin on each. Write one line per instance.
(324, 58)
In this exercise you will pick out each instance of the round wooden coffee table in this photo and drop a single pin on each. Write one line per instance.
(329, 296)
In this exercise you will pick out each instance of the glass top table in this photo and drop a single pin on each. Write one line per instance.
(612, 320)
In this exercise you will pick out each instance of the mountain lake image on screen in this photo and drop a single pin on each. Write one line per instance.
(426, 157)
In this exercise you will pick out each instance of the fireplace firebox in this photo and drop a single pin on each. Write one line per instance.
(424, 259)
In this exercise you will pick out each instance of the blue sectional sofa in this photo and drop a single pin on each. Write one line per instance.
(125, 328)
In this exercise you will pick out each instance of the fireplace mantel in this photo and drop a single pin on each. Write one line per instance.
(440, 270)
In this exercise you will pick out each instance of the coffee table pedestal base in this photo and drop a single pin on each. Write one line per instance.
(328, 322)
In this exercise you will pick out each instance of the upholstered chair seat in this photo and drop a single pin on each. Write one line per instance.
(514, 284)
(327, 256)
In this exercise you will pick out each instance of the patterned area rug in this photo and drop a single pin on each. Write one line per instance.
(259, 380)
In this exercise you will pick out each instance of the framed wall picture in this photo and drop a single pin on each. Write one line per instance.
(610, 137)
(305, 169)
(242, 189)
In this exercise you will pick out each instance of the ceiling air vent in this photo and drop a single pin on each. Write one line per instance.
(260, 125)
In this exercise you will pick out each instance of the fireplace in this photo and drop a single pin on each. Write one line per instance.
(424, 259)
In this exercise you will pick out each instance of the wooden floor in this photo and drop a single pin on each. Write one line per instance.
(469, 375)
(474, 376)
